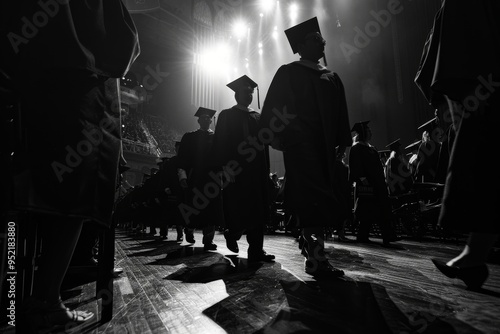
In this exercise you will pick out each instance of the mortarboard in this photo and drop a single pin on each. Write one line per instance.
(429, 124)
(413, 146)
(394, 145)
(244, 82)
(359, 126)
(297, 34)
(204, 111)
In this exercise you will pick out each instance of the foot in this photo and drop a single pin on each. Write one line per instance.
(474, 277)
(209, 247)
(43, 316)
(190, 238)
(117, 271)
(231, 243)
(343, 238)
(322, 269)
(364, 240)
(262, 257)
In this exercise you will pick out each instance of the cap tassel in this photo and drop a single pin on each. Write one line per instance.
(258, 97)
(324, 61)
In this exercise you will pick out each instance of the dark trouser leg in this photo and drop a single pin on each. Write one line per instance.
(314, 244)
(364, 229)
(60, 236)
(255, 239)
(189, 232)
(208, 234)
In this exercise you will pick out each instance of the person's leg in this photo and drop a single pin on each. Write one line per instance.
(189, 232)
(208, 237)
(44, 307)
(178, 228)
(476, 251)
(314, 251)
(232, 235)
(255, 239)
(59, 239)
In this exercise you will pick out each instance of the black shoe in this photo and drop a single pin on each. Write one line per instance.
(364, 240)
(190, 238)
(322, 269)
(473, 277)
(344, 239)
(117, 271)
(231, 243)
(301, 241)
(209, 247)
(262, 257)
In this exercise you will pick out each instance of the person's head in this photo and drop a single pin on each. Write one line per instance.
(244, 96)
(204, 121)
(363, 131)
(205, 117)
(313, 47)
(306, 40)
(243, 88)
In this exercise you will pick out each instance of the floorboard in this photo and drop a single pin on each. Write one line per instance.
(174, 287)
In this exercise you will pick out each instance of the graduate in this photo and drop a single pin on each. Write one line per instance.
(245, 161)
(201, 210)
(305, 113)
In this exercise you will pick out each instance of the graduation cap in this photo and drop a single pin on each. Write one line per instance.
(413, 146)
(297, 34)
(394, 145)
(204, 111)
(359, 126)
(244, 82)
(429, 124)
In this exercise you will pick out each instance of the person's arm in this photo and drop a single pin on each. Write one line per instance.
(278, 102)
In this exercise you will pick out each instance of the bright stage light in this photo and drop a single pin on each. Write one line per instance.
(260, 44)
(215, 60)
(239, 29)
(294, 11)
(266, 5)
(261, 52)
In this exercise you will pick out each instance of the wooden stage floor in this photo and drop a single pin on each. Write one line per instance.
(173, 287)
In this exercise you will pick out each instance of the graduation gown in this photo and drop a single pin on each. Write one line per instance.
(236, 145)
(371, 201)
(66, 81)
(204, 196)
(306, 111)
(462, 62)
